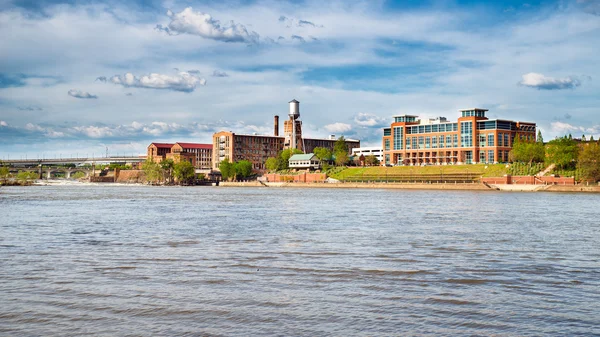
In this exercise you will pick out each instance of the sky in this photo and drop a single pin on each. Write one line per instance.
(78, 78)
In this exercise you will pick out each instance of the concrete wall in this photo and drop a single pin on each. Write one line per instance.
(300, 178)
(529, 180)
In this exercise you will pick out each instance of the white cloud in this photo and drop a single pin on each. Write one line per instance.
(183, 81)
(370, 120)
(81, 94)
(202, 24)
(539, 81)
(562, 128)
(338, 127)
(3, 123)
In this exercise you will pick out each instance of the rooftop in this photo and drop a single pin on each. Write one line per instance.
(162, 145)
(307, 156)
(195, 146)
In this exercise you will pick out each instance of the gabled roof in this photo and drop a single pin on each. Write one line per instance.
(308, 156)
(162, 145)
(195, 146)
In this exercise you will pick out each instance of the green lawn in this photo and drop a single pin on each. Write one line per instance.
(381, 172)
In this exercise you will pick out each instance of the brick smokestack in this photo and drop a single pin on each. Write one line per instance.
(276, 125)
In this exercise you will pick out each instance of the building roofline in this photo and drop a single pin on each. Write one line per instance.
(471, 109)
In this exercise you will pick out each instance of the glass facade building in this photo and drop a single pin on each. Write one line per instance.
(472, 139)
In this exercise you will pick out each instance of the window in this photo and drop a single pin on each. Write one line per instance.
(506, 139)
(448, 141)
(434, 142)
(490, 139)
(441, 142)
(490, 156)
(482, 156)
(387, 158)
(387, 144)
(466, 134)
(427, 142)
(398, 138)
(421, 143)
(482, 142)
(499, 139)
(408, 143)
(468, 157)
(455, 140)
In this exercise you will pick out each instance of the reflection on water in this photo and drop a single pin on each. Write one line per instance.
(112, 261)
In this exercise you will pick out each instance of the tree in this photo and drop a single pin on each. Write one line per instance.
(562, 152)
(24, 177)
(227, 169)
(589, 162)
(284, 157)
(152, 171)
(184, 172)
(340, 146)
(167, 166)
(4, 173)
(583, 138)
(243, 169)
(272, 164)
(324, 154)
(77, 175)
(341, 158)
(371, 160)
(539, 137)
(527, 151)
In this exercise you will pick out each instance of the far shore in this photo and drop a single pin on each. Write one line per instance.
(422, 186)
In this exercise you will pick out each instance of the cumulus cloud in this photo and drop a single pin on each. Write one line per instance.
(183, 81)
(564, 128)
(338, 127)
(81, 94)
(3, 123)
(370, 120)
(293, 22)
(298, 38)
(218, 73)
(541, 82)
(202, 24)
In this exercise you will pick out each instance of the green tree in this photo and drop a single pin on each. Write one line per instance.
(539, 137)
(24, 177)
(152, 171)
(588, 162)
(341, 158)
(184, 172)
(340, 146)
(527, 151)
(227, 169)
(4, 173)
(272, 164)
(371, 160)
(562, 152)
(167, 166)
(324, 154)
(284, 158)
(243, 169)
(78, 175)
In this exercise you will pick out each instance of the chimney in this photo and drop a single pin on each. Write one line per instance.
(276, 125)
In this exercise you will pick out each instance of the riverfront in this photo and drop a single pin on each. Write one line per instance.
(147, 260)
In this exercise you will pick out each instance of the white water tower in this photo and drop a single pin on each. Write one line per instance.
(294, 109)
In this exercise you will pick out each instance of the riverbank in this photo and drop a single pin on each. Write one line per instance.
(420, 186)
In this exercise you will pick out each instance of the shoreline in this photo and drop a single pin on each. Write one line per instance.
(420, 186)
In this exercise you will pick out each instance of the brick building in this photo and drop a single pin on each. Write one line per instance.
(472, 139)
(200, 155)
(258, 148)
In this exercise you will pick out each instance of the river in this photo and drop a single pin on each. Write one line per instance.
(207, 261)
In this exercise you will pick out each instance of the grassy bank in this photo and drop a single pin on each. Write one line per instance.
(403, 173)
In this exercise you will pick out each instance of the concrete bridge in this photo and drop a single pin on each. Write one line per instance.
(50, 172)
(35, 162)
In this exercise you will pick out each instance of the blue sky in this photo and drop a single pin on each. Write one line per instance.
(79, 76)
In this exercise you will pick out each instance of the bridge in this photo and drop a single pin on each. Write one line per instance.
(81, 161)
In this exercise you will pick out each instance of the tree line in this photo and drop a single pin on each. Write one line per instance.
(235, 170)
(564, 152)
(169, 172)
